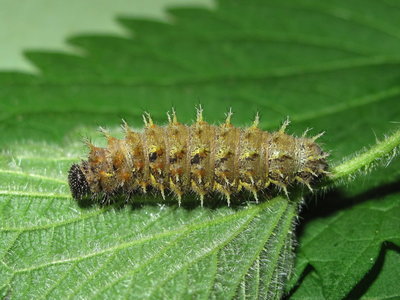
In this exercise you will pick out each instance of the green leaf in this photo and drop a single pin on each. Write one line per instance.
(342, 248)
(333, 66)
(389, 274)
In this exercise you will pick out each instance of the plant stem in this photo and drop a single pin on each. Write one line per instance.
(384, 149)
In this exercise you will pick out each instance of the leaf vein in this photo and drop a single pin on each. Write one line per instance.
(139, 241)
(36, 176)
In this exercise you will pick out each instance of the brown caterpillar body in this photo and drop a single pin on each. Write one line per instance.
(201, 158)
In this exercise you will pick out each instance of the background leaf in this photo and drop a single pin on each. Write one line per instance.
(331, 66)
(25, 25)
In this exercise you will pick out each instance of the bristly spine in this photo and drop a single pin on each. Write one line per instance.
(199, 158)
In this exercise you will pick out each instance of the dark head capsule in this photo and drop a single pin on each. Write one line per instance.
(77, 182)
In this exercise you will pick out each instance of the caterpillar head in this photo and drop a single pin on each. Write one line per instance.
(77, 182)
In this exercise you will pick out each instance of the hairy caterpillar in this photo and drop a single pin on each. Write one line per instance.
(199, 158)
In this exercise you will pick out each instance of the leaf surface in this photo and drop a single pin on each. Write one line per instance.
(332, 66)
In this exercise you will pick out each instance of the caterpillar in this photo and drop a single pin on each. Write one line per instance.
(199, 158)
